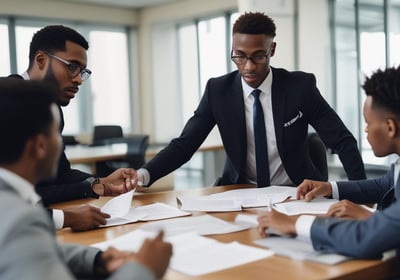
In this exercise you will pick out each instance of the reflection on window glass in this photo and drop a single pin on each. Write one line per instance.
(4, 51)
(108, 59)
(212, 49)
(188, 65)
(359, 53)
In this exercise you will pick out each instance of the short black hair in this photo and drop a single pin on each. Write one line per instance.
(53, 38)
(384, 88)
(254, 23)
(25, 111)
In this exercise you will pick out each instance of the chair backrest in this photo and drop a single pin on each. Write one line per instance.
(317, 152)
(101, 133)
(137, 146)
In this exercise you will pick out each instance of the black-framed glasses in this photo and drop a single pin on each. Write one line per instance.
(256, 59)
(74, 69)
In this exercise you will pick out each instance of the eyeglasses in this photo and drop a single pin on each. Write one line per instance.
(74, 69)
(256, 59)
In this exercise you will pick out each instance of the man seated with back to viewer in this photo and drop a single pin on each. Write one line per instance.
(57, 54)
(263, 114)
(370, 237)
(29, 153)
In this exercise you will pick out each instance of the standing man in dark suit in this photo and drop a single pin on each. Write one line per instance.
(29, 153)
(370, 237)
(290, 102)
(57, 54)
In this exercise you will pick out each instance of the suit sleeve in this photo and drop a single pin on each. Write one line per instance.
(70, 184)
(29, 249)
(366, 191)
(367, 239)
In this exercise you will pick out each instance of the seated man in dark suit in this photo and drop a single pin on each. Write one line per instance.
(29, 151)
(263, 115)
(58, 54)
(367, 238)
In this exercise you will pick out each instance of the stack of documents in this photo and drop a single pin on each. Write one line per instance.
(122, 213)
(235, 200)
(193, 254)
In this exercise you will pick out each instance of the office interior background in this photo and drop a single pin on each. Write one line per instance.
(152, 59)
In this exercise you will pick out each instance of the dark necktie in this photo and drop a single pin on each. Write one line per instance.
(260, 140)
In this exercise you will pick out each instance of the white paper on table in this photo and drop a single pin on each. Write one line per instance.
(202, 203)
(193, 254)
(118, 206)
(299, 250)
(234, 200)
(203, 225)
(316, 206)
(150, 212)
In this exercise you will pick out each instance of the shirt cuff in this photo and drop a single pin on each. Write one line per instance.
(143, 176)
(335, 190)
(58, 218)
(303, 227)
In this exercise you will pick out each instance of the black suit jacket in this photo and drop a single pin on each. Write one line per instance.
(69, 184)
(296, 104)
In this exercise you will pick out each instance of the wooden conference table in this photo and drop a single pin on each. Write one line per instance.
(274, 267)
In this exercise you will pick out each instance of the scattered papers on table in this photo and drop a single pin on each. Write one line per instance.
(296, 207)
(235, 200)
(150, 212)
(203, 225)
(193, 254)
(299, 250)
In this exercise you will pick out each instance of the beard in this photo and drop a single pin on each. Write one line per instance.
(51, 79)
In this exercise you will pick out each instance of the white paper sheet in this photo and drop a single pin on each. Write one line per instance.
(203, 225)
(299, 250)
(118, 206)
(234, 200)
(316, 206)
(193, 254)
(150, 212)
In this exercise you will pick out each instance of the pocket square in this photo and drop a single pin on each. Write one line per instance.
(298, 116)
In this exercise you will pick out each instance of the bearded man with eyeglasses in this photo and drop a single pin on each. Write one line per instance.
(57, 55)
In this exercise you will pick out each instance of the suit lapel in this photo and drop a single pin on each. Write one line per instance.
(240, 120)
(278, 96)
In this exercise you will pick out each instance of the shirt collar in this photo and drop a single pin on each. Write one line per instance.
(265, 86)
(25, 189)
(25, 75)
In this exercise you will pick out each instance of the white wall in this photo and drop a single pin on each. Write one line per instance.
(68, 10)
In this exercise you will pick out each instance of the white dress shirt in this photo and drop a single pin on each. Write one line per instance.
(278, 175)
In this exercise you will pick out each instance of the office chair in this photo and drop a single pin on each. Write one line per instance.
(317, 152)
(102, 133)
(135, 157)
(318, 157)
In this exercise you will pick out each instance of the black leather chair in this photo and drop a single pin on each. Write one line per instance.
(318, 156)
(102, 133)
(135, 157)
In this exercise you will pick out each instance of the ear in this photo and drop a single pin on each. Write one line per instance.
(392, 128)
(273, 47)
(41, 60)
(37, 146)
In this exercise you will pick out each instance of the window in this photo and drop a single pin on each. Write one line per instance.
(4, 50)
(367, 37)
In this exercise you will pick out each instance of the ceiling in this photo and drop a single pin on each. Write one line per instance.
(134, 4)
